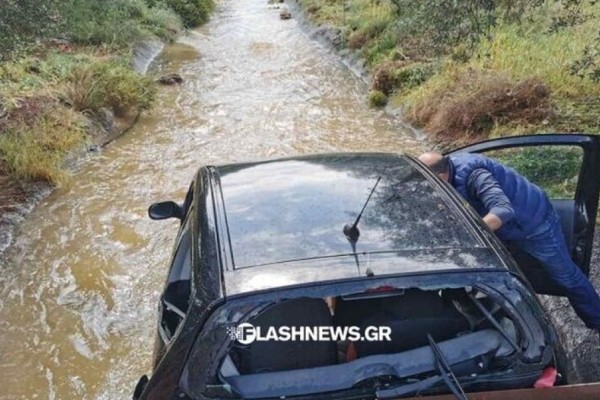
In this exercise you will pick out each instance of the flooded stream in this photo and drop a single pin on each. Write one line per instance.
(79, 286)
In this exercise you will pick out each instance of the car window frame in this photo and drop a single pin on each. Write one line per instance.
(185, 233)
(588, 187)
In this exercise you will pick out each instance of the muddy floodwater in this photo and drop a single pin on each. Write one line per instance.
(79, 285)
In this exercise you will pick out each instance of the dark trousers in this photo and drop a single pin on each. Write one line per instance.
(547, 244)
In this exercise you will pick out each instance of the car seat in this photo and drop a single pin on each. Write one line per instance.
(410, 317)
(271, 356)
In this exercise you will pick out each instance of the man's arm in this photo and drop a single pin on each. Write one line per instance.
(482, 185)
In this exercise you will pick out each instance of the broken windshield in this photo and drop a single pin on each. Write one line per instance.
(479, 333)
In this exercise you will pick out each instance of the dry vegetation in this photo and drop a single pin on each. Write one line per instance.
(477, 69)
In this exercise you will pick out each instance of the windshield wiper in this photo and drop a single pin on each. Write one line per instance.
(445, 375)
(446, 372)
(488, 315)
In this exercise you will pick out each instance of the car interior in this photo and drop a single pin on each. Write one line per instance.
(412, 314)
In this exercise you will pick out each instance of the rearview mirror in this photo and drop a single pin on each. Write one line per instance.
(164, 210)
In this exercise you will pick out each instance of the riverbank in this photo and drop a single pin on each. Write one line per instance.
(44, 133)
(73, 85)
(87, 265)
(464, 78)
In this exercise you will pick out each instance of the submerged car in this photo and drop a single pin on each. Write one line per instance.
(347, 242)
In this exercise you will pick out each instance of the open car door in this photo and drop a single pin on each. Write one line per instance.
(567, 167)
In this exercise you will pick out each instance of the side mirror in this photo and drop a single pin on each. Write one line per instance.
(164, 210)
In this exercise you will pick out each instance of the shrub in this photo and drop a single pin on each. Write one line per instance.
(192, 12)
(413, 75)
(108, 84)
(383, 79)
(475, 103)
(163, 23)
(111, 22)
(23, 22)
(118, 22)
(38, 137)
(377, 98)
(447, 23)
(357, 40)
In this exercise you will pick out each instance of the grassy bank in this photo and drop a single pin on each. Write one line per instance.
(468, 71)
(66, 66)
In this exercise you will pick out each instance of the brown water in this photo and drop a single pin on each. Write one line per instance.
(79, 286)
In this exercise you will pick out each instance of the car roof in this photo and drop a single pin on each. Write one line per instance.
(292, 211)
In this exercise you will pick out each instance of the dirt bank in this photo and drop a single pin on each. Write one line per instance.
(19, 197)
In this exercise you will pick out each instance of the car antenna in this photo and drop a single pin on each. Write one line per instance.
(351, 231)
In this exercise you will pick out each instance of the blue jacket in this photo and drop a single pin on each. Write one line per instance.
(492, 187)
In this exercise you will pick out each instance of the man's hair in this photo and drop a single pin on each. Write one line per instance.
(442, 166)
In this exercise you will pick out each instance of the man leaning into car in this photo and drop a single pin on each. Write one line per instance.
(519, 212)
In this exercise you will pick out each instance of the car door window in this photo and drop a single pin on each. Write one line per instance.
(175, 299)
(553, 168)
(565, 166)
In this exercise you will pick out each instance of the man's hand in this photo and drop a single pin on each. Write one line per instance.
(492, 221)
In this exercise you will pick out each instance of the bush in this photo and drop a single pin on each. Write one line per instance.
(377, 98)
(192, 12)
(108, 84)
(413, 75)
(447, 23)
(383, 79)
(163, 23)
(473, 103)
(38, 137)
(23, 22)
(117, 22)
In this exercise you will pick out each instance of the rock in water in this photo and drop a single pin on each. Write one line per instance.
(170, 79)
(284, 12)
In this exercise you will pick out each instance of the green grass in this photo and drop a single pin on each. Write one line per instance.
(192, 12)
(119, 23)
(44, 98)
(110, 84)
(426, 83)
(47, 88)
(377, 99)
(520, 52)
(35, 149)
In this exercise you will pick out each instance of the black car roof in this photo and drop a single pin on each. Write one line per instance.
(293, 211)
